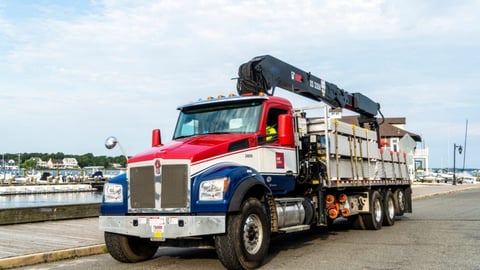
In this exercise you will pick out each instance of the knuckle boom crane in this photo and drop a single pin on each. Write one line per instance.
(263, 73)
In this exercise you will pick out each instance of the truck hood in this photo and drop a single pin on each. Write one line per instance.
(199, 147)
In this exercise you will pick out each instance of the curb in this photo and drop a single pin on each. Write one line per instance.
(414, 198)
(51, 256)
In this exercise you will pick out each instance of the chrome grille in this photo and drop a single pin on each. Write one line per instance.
(142, 187)
(168, 191)
(174, 186)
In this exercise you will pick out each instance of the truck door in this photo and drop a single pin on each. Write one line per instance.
(277, 163)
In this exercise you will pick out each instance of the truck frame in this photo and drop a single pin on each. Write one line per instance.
(226, 180)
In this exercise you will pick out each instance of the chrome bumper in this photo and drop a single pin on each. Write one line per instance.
(160, 228)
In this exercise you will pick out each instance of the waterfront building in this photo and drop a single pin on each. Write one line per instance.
(70, 163)
(40, 164)
(66, 163)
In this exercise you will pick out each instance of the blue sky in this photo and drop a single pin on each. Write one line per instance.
(74, 72)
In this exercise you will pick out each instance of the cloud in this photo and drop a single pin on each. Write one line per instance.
(123, 67)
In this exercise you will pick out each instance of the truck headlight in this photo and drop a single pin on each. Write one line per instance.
(213, 190)
(112, 193)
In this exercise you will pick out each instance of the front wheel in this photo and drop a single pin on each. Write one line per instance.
(129, 249)
(246, 242)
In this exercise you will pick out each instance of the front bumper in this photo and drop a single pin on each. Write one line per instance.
(160, 228)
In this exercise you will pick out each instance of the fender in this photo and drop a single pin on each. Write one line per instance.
(116, 208)
(241, 179)
(251, 184)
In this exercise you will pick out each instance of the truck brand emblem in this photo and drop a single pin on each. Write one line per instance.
(157, 167)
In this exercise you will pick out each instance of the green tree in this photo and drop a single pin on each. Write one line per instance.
(29, 164)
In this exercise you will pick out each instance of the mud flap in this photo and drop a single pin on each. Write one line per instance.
(408, 197)
(322, 215)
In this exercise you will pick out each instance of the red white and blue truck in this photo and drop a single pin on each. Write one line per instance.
(243, 167)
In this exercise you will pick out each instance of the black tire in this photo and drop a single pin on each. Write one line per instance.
(400, 201)
(246, 242)
(389, 209)
(129, 249)
(374, 219)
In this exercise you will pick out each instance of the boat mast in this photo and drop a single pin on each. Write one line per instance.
(465, 145)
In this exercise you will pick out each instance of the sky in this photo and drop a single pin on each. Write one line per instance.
(75, 72)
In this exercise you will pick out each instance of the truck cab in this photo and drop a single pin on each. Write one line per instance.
(220, 155)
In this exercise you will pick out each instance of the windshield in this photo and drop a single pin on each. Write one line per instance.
(219, 118)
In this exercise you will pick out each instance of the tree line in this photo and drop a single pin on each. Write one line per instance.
(26, 160)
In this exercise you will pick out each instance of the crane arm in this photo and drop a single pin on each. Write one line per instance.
(264, 73)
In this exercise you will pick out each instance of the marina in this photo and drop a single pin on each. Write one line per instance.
(46, 195)
(51, 188)
(33, 189)
(95, 174)
(49, 199)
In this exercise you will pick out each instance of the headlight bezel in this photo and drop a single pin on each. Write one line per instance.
(213, 189)
(112, 193)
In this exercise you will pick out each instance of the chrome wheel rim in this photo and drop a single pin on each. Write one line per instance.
(377, 210)
(391, 208)
(252, 234)
(401, 200)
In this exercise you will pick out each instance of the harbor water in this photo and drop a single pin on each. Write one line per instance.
(49, 199)
(44, 196)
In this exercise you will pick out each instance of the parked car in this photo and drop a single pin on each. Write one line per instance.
(465, 177)
(431, 178)
(447, 177)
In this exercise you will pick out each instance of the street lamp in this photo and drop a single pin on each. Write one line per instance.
(455, 146)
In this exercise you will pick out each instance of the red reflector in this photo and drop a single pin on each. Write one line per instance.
(297, 77)
(280, 160)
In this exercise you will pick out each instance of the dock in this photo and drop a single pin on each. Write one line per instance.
(44, 188)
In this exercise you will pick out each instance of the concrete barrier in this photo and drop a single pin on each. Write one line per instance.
(48, 213)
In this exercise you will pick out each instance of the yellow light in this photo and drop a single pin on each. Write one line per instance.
(226, 182)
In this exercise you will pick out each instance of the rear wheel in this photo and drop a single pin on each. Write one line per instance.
(373, 220)
(400, 201)
(246, 242)
(389, 209)
(129, 249)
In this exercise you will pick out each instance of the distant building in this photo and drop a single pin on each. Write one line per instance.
(40, 163)
(70, 163)
(55, 163)
(421, 161)
(117, 165)
(66, 163)
(10, 165)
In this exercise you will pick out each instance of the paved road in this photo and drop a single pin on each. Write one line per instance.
(28, 244)
(443, 233)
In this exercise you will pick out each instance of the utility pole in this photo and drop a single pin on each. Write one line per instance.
(455, 146)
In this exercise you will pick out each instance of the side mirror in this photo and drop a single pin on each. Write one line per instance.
(285, 130)
(111, 142)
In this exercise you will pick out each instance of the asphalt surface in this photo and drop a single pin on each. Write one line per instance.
(34, 243)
